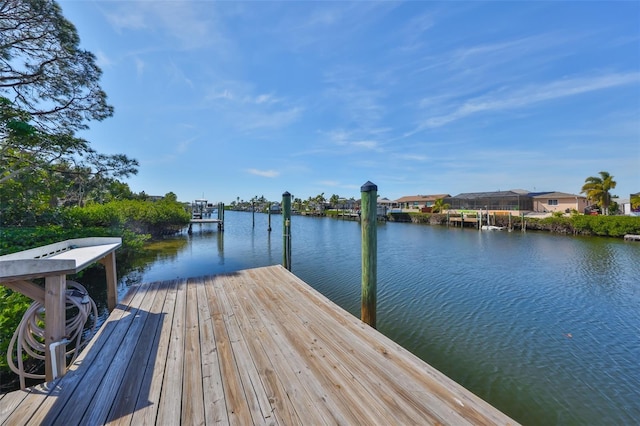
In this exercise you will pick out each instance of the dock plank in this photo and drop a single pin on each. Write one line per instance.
(143, 356)
(213, 391)
(146, 409)
(238, 411)
(192, 390)
(252, 347)
(169, 407)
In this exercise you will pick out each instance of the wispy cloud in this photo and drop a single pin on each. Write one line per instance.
(179, 20)
(103, 60)
(533, 94)
(264, 173)
(411, 157)
(271, 119)
(140, 65)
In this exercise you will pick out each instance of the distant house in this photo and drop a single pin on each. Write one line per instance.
(549, 202)
(275, 207)
(347, 204)
(418, 202)
(491, 201)
(385, 202)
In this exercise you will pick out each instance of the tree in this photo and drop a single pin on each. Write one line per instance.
(47, 168)
(42, 69)
(439, 205)
(334, 200)
(319, 201)
(597, 188)
(49, 89)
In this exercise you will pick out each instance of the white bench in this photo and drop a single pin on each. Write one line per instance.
(53, 262)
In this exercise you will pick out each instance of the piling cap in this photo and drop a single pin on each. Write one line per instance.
(368, 187)
(286, 194)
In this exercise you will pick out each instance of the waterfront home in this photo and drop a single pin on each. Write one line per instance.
(514, 200)
(549, 202)
(419, 202)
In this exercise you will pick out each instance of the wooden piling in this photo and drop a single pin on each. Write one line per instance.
(221, 216)
(369, 195)
(269, 226)
(286, 230)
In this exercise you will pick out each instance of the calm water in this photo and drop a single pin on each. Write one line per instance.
(544, 327)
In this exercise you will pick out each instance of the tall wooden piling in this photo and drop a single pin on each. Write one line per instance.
(286, 230)
(368, 223)
(269, 214)
(221, 216)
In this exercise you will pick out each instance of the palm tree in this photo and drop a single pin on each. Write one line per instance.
(597, 188)
(439, 205)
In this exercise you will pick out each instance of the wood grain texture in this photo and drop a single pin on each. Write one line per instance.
(252, 347)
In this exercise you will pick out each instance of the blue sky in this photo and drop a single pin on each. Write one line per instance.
(238, 99)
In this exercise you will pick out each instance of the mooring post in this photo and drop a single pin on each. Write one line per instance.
(286, 230)
(253, 214)
(369, 196)
(221, 216)
(269, 227)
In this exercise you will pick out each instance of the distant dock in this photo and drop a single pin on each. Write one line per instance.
(257, 346)
(201, 213)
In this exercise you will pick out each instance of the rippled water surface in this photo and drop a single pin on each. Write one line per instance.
(544, 327)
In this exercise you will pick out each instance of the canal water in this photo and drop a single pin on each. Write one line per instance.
(544, 327)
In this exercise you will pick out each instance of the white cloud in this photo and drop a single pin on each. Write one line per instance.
(271, 120)
(140, 65)
(102, 59)
(264, 173)
(533, 94)
(180, 20)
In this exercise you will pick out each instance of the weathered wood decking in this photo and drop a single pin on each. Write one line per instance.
(255, 347)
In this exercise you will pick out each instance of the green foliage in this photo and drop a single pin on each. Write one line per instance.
(14, 239)
(439, 206)
(143, 217)
(608, 226)
(597, 189)
(12, 307)
(44, 69)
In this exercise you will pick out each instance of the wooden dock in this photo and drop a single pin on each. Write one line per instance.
(257, 346)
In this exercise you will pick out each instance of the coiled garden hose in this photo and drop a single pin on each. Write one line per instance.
(29, 336)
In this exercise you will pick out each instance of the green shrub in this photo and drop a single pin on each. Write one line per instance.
(12, 307)
(609, 226)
